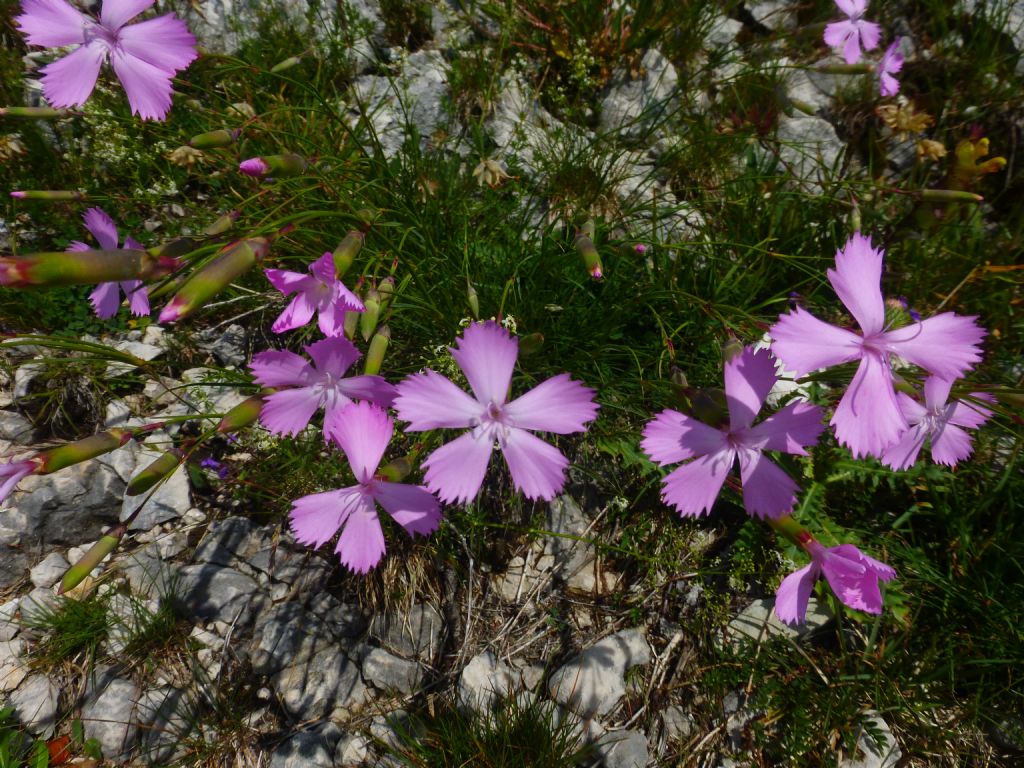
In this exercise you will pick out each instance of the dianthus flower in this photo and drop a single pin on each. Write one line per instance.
(937, 420)
(487, 354)
(892, 62)
(145, 56)
(363, 433)
(305, 388)
(106, 297)
(853, 32)
(868, 418)
(852, 575)
(320, 291)
(767, 491)
(12, 473)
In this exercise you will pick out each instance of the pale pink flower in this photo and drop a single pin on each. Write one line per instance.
(319, 292)
(939, 421)
(12, 473)
(145, 56)
(363, 433)
(106, 297)
(487, 354)
(852, 575)
(767, 491)
(853, 32)
(868, 418)
(892, 62)
(303, 388)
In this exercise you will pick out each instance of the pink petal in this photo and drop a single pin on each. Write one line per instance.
(693, 488)
(857, 280)
(105, 298)
(839, 32)
(148, 88)
(12, 473)
(804, 343)
(51, 23)
(852, 7)
(69, 81)
(430, 401)
(102, 227)
(77, 245)
(880, 569)
(280, 368)
(163, 42)
(791, 429)
(333, 356)
(317, 517)
(558, 405)
(345, 299)
(748, 378)
(912, 410)
(951, 445)
(331, 320)
(289, 282)
(138, 297)
(487, 354)
(794, 592)
(767, 490)
(870, 34)
(968, 414)
(537, 467)
(361, 544)
(671, 436)
(323, 269)
(852, 582)
(132, 244)
(868, 418)
(851, 48)
(288, 412)
(295, 315)
(376, 389)
(904, 452)
(946, 345)
(455, 471)
(888, 85)
(363, 432)
(114, 13)
(936, 392)
(412, 506)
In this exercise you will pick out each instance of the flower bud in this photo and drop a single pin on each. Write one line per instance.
(710, 406)
(346, 252)
(585, 247)
(213, 139)
(386, 289)
(49, 195)
(530, 343)
(81, 450)
(97, 552)
(949, 196)
(222, 224)
(79, 267)
(368, 319)
(350, 324)
(277, 165)
(32, 113)
(473, 299)
(397, 470)
(235, 259)
(243, 414)
(284, 66)
(163, 466)
(375, 354)
(733, 348)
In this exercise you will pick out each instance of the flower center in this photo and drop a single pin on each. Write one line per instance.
(98, 33)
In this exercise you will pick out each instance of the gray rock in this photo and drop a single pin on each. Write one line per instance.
(887, 754)
(13, 669)
(166, 716)
(391, 673)
(110, 719)
(9, 627)
(222, 594)
(776, 15)
(758, 620)
(168, 501)
(24, 376)
(676, 724)
(723, 32)
(594, 682)
(228, 346)
(394, 728)
(304, 750)
(288, 634)
(35, 704)
(142, 351)
(148, 575)
(352, 750)
(485, 681)
(624, 749)
(519, 125)
(809, 149)
(632, 107)
(415, 633)
(49, 570)
(344, 619)
(326, 681)
(226, 542)
(15, 427)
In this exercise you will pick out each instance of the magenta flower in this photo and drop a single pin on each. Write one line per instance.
(671, 437)
(306, 388)
(487, 354)
(892, 62)
(320, 291)
(852, 575)
(853, 32)
(363, 432)
(868, 418)
(939, 421)
(106, 297)
(255, 167)
(145, 56)
(12, 473)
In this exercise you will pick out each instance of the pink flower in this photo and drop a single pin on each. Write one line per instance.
(106, 297)
(320, 292)
(868, 418)
(487, 354)
(892, 62)
(938, 420)
(307, 388)
(255, 167)
(853, 32)
(12, 473)
(145, 56)
(767, 490)
(852, 575)
(363, 433)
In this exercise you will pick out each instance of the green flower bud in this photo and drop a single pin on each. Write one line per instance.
(77, 572)
(346, 252)
(368, 319)
(155, 472)
(80, 267)
(375, 354)
(235, 260)
(243, 414)
(214, 139)
(32, 113)
(530, 343)
(473, 299)
(81, 450)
